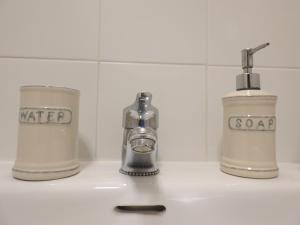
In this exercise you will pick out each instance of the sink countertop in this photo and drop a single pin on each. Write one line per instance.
(184, 174)
(191, 191)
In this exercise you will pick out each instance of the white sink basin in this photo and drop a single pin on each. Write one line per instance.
(192, 193)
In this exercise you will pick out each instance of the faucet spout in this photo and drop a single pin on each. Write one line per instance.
(140, 122)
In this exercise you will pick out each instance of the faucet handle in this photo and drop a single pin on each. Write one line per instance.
(143, 101)
(144, 97)
(142, 113)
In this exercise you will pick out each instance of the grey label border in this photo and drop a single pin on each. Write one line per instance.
(47, 108)
(249, 116)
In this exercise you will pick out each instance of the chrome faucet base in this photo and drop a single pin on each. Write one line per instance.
(140, 173)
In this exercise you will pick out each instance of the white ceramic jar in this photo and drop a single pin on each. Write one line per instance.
(249, 118)
(47, 135)
(249, 134)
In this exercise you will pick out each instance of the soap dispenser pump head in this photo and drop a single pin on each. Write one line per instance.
(248, 80)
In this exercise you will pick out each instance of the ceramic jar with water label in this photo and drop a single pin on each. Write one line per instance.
(47, 134)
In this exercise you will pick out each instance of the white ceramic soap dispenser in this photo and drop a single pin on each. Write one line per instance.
(249, 126)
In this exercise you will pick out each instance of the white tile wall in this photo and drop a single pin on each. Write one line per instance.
(49, 28)
(236, 24)
(186, 52)
(153, 31)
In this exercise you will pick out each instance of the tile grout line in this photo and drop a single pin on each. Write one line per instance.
(99, 31)
(206, 87)
(100, 61)
(47, 58)
(153, 63)
(257, 66)
(97, 114)
(96, 154)
(206, 113)
(146, 63)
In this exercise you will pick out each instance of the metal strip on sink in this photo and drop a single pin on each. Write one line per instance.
(141, 208)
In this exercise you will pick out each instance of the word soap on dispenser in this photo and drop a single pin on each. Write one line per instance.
(249, 126)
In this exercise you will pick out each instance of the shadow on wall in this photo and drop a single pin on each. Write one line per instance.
(219, 150)
(85, 152)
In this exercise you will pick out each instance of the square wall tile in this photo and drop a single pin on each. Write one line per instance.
(78, 75)
(178, 93)
(153, 31)
(49, 29)
(281, 82)
(237, 24)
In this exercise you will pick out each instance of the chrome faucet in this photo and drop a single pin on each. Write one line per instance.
(140, 122)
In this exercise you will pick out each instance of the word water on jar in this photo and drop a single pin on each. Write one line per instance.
(44, 115)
